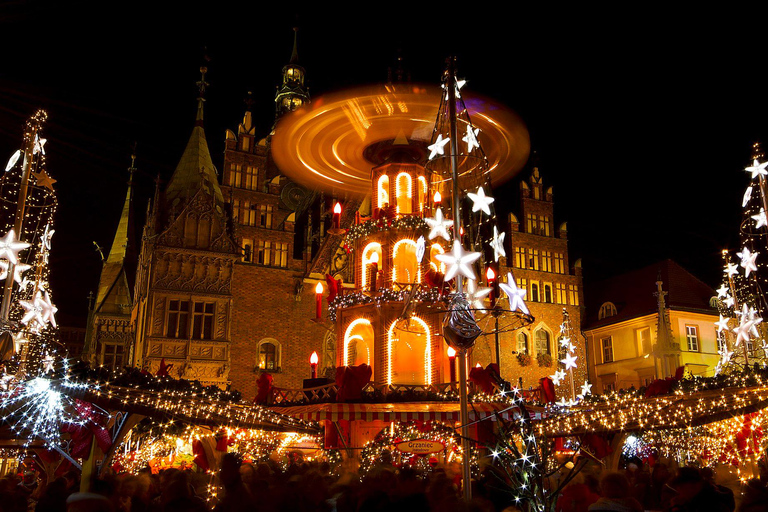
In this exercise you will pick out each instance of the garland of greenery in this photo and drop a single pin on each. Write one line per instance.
(368, 228)
(384, 296)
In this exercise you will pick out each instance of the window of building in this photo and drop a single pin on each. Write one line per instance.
(533, 259)
(178, 319)
(546, 261)
(250, 178)
(543, 345)
(202, 320)
(607, 310)
(247, 250)
(522, 283)
(269, 354)
(607, 344)
(112, 356)
(544, 225)
(236, 210)
(721, 341)
(265, 217)
(405, 266)
(263, 252)
(404, 192)
(383, 191)
(692, 336)
(235, 174)
(559, 263)
(522, 343)
(281, 255)
(560, 296)
(531, 223)
(643, 338)
(249, 213)
(548, 292)
(534, 293)
(520, 257)
(573, 292)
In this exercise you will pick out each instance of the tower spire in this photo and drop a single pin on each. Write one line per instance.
(292, 93)
(201, 85)
(295, 52)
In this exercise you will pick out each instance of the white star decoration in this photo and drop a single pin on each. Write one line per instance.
(18, 269)
(731, 269)
(745, 326)
(48, 361)
(514, 294)
(555, 378)
(439, 226)
(420, 248)
(747, 196)
(40, 309)
(438, 148)
(757, 168)
(12, 161)
(39, 145)
(569, 361)
(722, 324)
(47, 235)
(480, 201)
(10, 247)
(497, 244)
(722, 291)
(586, 388)
(564, 342)
(471, 138)
(748, 260)
(760, 219)
(458, 261)
(477, 294)
(728, 301)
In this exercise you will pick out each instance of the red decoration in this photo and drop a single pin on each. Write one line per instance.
(164, 369)
(319, 301)
(334, 287)
(201, 459)
(597, 445)
(483, 378)
(547, 389)
(351, 381)
(264, 388)
(82, 435)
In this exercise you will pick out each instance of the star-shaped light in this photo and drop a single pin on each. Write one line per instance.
(725, 355)
(569, 361)
(745, 326)
(43, 180)
(748, 260)
(48, 309)
(471, 138)
(731, 269)
(458, 261)
(747, 196)
(722, 324)
(555, 378)
(438, 226)
(728, 301)
(760, 219)
(563, 402)
(48, 361)
(480, 201)
(12, 161)
(722, 291)
(19, 340)
(438, 148)
(420, 248)
(32, 311)
(754, 321)
(757, 168)
(564, 342)
(39, 145)
(586, 389)
(10, 247)
(47, 235)
(477, 294)
(18, 269)
(514, 294)
(497, 244)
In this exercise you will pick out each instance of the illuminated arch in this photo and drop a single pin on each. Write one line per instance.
(383, 191)
(405, 264)
(437, 265)
(404, 193)
(410, 339)
(422, 192)
(368, 252)
(358, 336)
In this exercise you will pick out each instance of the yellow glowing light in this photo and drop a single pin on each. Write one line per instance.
(451, 352)
(370, 255)
(313, 359)
(490, 275)
(404, 192)
(439, 266)
(337, 209)
(422, 192)
(407, 263)
(348, 336)
(319, 288)
(383, 188)
(427, 351)
(438, 198)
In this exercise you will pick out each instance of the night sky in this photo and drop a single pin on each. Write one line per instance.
(643, 119)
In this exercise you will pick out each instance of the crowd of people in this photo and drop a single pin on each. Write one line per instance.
(311, 487)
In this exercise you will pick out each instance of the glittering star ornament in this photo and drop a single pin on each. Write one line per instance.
(420, 248)
(757, 168)
(564, 342)
(514, 294)
(731, 269)
(48, 361)
(458, 261)
(475, 294)
(555, 378)
(728, 301)
(19, 269)
(438, 148)
(722, 324)
(586, 388)
(12, 161)
(745, 326)
(497, 244)
(760, 219)
(747, 197)
(471, 138)
(32, 311)
(48, 309)
(722, 291)
(481, 202)
(569, 361)
(39, 145)
(10, 247)
(438, 226)
(43, 180)
(748, 260)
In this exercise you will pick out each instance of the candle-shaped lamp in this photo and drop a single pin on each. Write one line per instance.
(452, 363)
(436, 200)
(313, 360)
(490, 277)
(336, 226)
(319, 300)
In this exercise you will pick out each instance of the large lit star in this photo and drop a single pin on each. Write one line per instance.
(438, 148)
(48, 309)
(760, 219)
(748, 260)
(439, 226)
(32, 311)
(18, 269)
(745, 326)
(10, 247)
(497, 244)
(747, 196)
(480, 201)
(514, 294)
(39, 145)
(586, 389)
(569, 361)
(43, 180)
(477, 294)
(420, 248)
(731, 269)
(471, 138)
(757, 168)
(555, 378)
(458, 261)
(722, 291)
(722, 324)
(12, 161)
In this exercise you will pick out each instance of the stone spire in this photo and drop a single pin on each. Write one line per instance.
(292, 93)
(195, 168)
(665, 343)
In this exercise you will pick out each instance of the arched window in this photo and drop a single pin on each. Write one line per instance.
(522, 343)
(409, 352)
(543, 346)
(404, 192)
(405, 267)
(422, 192)
(368, 258)
(358, 343)
(607, 310)
(548, 293)
(383, 191)
(268, 354)
(534, 292)
(436, 264)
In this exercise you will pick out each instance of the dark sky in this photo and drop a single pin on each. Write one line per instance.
(643, 118)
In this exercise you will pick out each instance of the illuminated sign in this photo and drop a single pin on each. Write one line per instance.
(420, 446)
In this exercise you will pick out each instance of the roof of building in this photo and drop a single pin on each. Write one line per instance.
(633, 293)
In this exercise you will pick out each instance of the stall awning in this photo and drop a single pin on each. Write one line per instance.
(405, 411)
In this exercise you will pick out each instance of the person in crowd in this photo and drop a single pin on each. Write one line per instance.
(694, 494)
(616, 495)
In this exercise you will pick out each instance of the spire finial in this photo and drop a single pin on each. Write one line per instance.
(295, 53)
(201, 85)
(132, 168)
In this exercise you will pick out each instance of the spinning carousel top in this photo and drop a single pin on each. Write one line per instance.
(328, 144)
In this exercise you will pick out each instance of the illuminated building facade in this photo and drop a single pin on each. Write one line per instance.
(644, 324)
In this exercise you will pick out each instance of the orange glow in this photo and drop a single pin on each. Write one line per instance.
(405, 268)
(383, 191)
(437, 197)
(371, 255)
(337, 209)
(451, 352)
(490, 274)
(374, 257)
(478, 365)
(358, 343)
(408, 341)
(404, 192)
(313, 359)
(319, 288)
